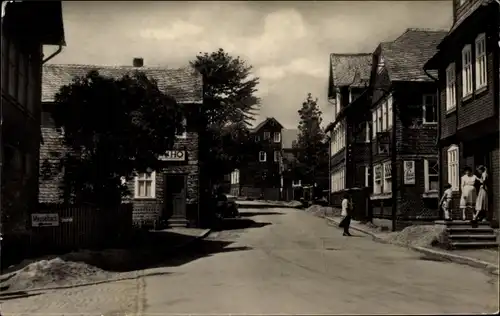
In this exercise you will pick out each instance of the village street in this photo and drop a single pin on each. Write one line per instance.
(288, 262)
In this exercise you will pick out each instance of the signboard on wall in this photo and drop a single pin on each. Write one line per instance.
(173, 155)
(409, 172)
(46, 219)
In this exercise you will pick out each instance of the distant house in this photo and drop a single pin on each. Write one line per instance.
(261, 178)
(404, 158)
(170, 194)
(468, 77)
(26, 27)
(291, 182)
(349, 144)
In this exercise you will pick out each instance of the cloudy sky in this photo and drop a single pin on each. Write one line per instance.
(288, 43)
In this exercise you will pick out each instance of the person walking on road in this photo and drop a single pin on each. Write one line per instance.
(346, 215)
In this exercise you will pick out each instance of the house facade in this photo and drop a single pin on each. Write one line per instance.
(170, 194)
(262, 177)
(349, 150)
(26, 27)
(291, 180)
(404, 155)
(468, 77)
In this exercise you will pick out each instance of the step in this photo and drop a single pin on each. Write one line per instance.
(478, 238)
(473, 244)
(463, 230)
(461, 223)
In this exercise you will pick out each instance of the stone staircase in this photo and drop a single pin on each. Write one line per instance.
(461, 235)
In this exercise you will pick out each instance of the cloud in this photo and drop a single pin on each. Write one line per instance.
(177, 30)
(287, 42)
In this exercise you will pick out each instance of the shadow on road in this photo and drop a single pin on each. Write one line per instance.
(250, 214)
(239, 223)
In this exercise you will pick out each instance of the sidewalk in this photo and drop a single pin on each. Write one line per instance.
(487, 259)
(88, 267)
(266, 204)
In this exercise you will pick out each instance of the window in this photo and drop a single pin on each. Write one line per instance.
(481, 74)
(431, 175)
(257, 138)
(374, 124)
(377, 179)
(429, 109)
(184, 129)
(277, 137)
(384, 115)
(12, 70)
(367, 132)
(367, 176)
(338, 180)
(389, 112)
(466, 71)
(5, 64)
(453, 167)
(451, 92)
(387, 187)
(380, 119)
(267, 135)
(296, 183)
(338, 103)
(145, 185)
(262, 156)
(276, 156)
(235, 177)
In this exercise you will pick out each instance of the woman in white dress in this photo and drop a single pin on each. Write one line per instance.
(468, 198)
(482, 196)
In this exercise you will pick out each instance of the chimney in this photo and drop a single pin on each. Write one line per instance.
(138, 62)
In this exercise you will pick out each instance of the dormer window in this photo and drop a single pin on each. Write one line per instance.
(381, 64)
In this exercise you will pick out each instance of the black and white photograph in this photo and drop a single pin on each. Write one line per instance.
(249, 157)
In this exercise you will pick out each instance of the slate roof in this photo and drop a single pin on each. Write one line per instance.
(474, 7)
(184, 84)
(350, 69)
(288, 136)
(405, 57)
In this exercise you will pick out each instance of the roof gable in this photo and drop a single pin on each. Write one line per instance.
(183, 84)
(268, 120)
(349, 70)
(404, 58)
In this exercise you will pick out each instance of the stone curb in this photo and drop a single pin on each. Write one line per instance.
(433, 253)
(264, 205)
(138, 274)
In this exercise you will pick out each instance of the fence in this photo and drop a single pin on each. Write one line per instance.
(83, 227)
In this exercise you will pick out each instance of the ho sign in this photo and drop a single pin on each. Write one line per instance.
(173, 155)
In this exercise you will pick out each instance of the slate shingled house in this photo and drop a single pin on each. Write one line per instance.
(404, 129)
(169, 194)
(262, 177)
(291, 182)
(349, 146)
(468, 76)
(26, 27)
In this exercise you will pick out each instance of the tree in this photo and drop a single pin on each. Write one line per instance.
(311, 149)
(228, 88)
(113, 127)
(228, 109)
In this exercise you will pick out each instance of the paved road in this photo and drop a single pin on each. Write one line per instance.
(290, 262)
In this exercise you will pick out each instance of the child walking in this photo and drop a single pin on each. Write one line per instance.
(445, 202)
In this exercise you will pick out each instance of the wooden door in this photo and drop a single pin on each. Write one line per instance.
(175, 195)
